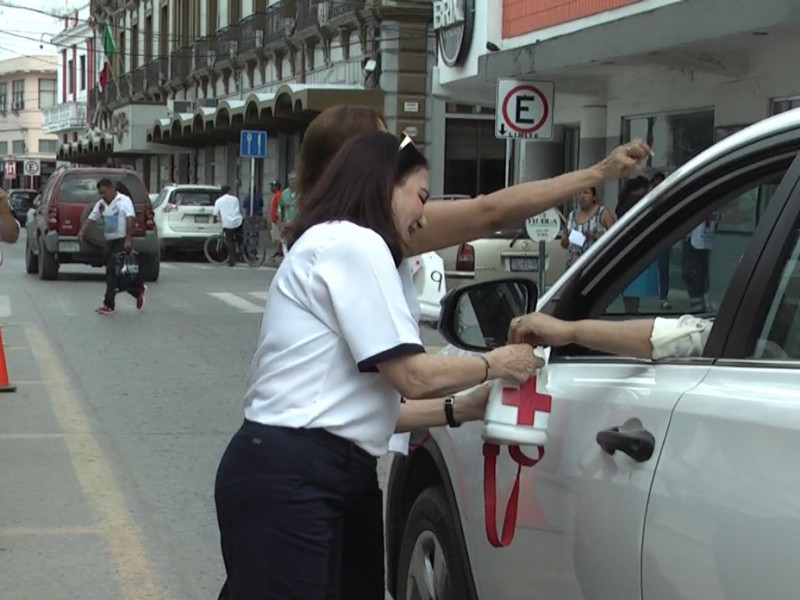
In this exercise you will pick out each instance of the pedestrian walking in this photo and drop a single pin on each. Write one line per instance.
(275, 230)
(9, 226)
(116, 211)
(338, 347)
(228, 211)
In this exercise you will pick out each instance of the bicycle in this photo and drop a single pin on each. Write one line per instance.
(249, 248)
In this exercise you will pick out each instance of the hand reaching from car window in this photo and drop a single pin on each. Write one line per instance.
(623, 160)
(539, 329)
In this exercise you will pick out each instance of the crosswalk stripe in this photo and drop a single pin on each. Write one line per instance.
(5, 307)
(237, 302)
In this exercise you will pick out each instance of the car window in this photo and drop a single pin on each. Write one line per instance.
(780, 336)
(23, 197)
(160, 198)
(82, 187)
(693, 275)
(194, 197)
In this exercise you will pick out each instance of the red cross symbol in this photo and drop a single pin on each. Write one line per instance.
(527, 400)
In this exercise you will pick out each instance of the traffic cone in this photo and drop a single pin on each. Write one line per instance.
(5, 384)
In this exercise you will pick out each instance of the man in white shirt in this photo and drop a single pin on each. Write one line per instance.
(116, 211)
(228, 210)
(9, 226)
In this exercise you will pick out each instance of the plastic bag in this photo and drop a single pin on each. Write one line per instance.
(128, 272)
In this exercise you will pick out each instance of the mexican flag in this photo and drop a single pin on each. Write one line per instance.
(109, 49)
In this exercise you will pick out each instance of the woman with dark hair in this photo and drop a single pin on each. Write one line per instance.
(585, 224)
(337, 349)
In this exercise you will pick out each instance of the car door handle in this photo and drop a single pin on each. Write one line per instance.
(638, 444)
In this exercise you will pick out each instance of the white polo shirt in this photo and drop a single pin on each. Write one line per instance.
(228, 210)
(336, 309)
(114, 214)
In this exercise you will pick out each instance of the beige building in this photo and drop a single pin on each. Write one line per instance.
(28, 86)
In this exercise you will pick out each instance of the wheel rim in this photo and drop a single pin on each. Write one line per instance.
(427, 569)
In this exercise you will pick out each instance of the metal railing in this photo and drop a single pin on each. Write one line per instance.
(137, 80)
(205, 52)
(275, 23)
(339, 8)
(307, 15)
(112, 91)
(60, 117)
(251, 32)
(124, 86)
(93, 99)
(157, 72)
(227, 43)
(180, 66)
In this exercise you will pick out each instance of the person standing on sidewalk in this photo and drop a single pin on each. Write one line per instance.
(287, 208)
(228, 211)
(9, 226)
(116, 210)
(275, 229)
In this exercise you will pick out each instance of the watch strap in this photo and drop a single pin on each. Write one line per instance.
(448, 412)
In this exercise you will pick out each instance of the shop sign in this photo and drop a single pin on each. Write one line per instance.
(452, 23)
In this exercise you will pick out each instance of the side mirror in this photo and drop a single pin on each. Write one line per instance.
(477, 316)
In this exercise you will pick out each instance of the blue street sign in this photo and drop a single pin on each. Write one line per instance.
(253, 144)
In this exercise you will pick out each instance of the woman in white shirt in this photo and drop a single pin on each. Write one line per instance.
(338, 348)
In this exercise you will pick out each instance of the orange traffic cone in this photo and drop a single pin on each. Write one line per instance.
(5, 384)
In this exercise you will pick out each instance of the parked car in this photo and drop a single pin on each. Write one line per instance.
(504, 251)
(21, 202)
(66, 201)
(708, 508)
(183, 215)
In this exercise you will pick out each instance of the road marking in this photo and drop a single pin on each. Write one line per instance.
(66, 530)
(5, 307)
(30, 436)
(135, 574)
(237, 302)
(260, 295)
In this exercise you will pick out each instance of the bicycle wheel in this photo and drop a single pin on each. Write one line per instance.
(216, 250)
(255, 256)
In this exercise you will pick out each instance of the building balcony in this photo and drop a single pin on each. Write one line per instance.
(112, 92)
(63, 117)
(278, 26)
(124, 87)
(93, 99)
(137, 79)
(205, 54)
(157, 73)
(343, 10)
(180, 65)
(252, 34)
(227, 45)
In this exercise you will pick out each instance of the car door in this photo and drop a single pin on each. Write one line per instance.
(582, 510)
(723, 520)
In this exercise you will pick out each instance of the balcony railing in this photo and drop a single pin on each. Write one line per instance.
(307, 15)
(137, 80)
(63, 117)
(205, 53)
(251, 32)
(276, 23)
(157, 72)
(112, 92)
(124, 86)
(339, 8)
(227, 43)
(180, 64)
(93, 99)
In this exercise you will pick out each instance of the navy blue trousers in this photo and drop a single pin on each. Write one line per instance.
(300, 517)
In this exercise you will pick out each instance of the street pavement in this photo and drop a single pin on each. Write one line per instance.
(109, 447)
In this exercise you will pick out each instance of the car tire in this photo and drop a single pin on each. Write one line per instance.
(31, 260)
(150, 266)
(430, 564)
(48, 264)
(95, 232)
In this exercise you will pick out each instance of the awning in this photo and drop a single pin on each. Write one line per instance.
(290, 108)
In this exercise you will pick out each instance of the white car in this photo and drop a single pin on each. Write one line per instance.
(661, 480)
(183, 215)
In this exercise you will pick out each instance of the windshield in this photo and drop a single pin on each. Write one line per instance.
(82, 187)
(195, 197)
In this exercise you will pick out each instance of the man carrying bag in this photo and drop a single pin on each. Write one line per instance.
(116, 211)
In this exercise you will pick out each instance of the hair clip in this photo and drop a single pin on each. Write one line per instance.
(406, 141)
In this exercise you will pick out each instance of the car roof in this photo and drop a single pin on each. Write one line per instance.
(193, 186)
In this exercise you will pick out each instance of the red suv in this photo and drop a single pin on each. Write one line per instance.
(66, 201)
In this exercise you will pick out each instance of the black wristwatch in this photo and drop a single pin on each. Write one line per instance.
(448, 412)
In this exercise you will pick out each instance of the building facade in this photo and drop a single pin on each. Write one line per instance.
(67, 118)
(188, 77)
(27, 89)
(660, 70)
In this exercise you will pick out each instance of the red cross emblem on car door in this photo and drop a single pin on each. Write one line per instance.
(527, 400)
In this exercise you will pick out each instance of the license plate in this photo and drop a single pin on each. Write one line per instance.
(69, 247)
(524, 264)
(201, 219)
